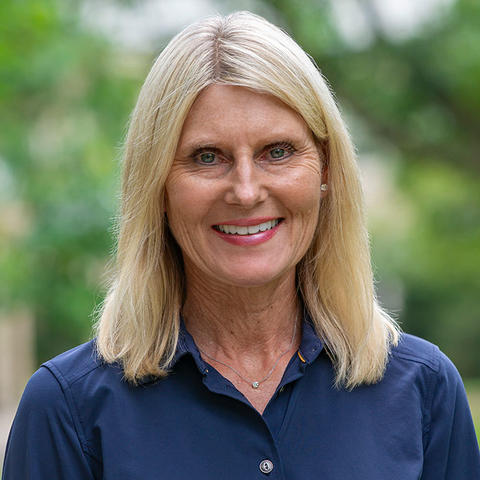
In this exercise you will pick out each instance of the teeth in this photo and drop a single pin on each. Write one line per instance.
(250, 230)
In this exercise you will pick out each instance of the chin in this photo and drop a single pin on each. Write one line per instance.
(253, 278)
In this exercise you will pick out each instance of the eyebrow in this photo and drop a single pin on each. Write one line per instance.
(196, 150)
(193, 148)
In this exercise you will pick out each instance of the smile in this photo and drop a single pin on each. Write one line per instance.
(247, 230)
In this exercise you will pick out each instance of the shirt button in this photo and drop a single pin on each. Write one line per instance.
(266, 466)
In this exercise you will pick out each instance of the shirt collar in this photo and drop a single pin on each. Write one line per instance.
(186, 345)
(310, 345)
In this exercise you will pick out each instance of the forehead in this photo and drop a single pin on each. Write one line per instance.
(225, 109)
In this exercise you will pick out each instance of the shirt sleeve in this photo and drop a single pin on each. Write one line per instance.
(43, 443)
(450, 448)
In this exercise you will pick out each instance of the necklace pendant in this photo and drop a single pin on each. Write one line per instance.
(255, 384)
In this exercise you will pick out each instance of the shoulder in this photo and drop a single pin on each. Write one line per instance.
(47, 438)
(417, 351)
(448, 434)
(62, 370)
(50, 386)
(417, 361)
(65, 390)
(419, 371)
(72, 365)
(69, 377)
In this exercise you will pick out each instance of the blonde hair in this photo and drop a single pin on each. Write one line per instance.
(139, 321)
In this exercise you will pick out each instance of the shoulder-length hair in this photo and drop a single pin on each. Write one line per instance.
(138, 324)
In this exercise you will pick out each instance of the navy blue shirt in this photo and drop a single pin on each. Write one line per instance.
(78, 419)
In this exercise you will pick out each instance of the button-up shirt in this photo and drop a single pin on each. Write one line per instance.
(79, 419)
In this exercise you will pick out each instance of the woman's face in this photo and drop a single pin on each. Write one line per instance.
(243, 193)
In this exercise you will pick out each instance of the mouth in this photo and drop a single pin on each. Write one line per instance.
(247, 230)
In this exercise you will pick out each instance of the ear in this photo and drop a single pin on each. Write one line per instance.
(324, 181)
(322, 150)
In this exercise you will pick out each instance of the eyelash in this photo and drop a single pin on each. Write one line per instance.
(287, 146)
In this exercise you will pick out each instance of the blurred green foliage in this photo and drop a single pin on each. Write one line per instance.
(64, 102)
(414, 105)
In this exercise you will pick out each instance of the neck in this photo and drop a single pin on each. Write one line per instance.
(236, 321)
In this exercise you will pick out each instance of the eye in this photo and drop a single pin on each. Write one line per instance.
(277, 152)
(206, 158)
(280, 152)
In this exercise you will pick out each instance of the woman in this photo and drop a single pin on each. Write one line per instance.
(241, 337)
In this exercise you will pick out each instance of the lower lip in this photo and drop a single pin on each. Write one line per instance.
(248, 240)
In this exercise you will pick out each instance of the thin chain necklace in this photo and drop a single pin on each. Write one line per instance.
(257, 383)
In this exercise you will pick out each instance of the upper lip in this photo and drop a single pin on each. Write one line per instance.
(247, 222)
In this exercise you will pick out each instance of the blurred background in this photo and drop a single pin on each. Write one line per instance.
(407, 79)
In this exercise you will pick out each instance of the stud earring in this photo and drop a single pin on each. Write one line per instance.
(323, 187)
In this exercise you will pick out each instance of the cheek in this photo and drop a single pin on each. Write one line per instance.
(305, 205)
(303, 183)
(181, 194)
(304, 195)
(188, 200)
(178, 200)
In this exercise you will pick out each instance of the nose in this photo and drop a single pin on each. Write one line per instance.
(247, 186)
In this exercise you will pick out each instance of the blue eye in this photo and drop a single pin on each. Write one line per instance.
(207, 158)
